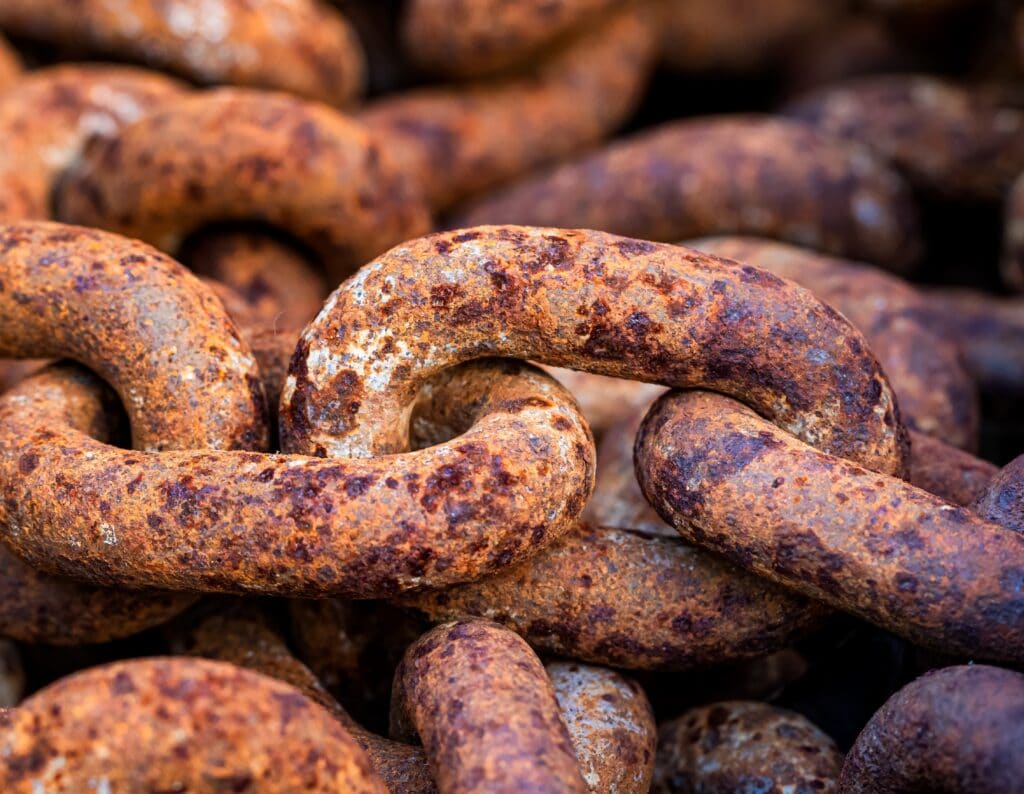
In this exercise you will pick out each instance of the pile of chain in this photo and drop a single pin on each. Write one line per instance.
(680, 461)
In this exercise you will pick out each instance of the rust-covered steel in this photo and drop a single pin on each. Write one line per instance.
(178, 724)
(755, 175)
(1013, 253)
(584, 300)
(300, 46)
(835, 531)
(242, 155)
(947, 140)
(734, 746)
(490, 35)
(294, 525)
(1003, 499)
(956, 730)
(486, 711)
(936, 394)
(988, 329)
(947, 471)
(48, 117)
(456, 141)
(611, 725)
(632, 600)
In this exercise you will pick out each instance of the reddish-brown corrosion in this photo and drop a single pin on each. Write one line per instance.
(1013, 253)
(946, 140)
(957, 730)
(988, 329)
(46, 119)
(586, 300)
(12, 675)
(605, 401)
(10, 66)
(300, 46)
(725, 174)
(489, 35)
(235, 154)
(455, 141)
(633, 600)
(1003, 500)
(295, 525)
(745, 746)
(734, 35)
(611, 726)
(178, 724)
(276, 282)
(486, 712)
(948, 472)
(11, 371)
(860, 541)
(36, 607)
(243, 637)
(936, 395)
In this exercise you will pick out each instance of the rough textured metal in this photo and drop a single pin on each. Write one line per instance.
(632, 600)
(243, 637)
(863, 542)
(586, 300)
(611, 726)
(46, 120)
(945, 139)
(455, 141)
(178, 724)
(300, 46)
(741, 746)
(278, 284)
(1013, 253)
(724, 175)
(989, 331)
(490, 35)
(1003, 500)
(486, 712)
(956, 730)
(293, 525)
(10, 65)
(235, 154)
(948, 472)
(936, 394)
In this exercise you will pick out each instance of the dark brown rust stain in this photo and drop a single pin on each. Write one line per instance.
(235, 154)
(754, 175)
(744, 746)
(947, 140)
(863, 542)
(455, 141)
(657, 313)
(298, 46)
(957, 730)
(935, 393)
(230, 521)
(486, 711)
(611, 725)
(47, 118)
(178, 724)
(491, 35)
(632, 600)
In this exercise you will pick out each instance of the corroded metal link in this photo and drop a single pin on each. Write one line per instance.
(863, 542)
(744, 746)
(490, 35)
(10, 66)
(936, 394)
(1003, 500)
(143, 323)
(632, 600)
(47, 118)
(585, 300)
(300, 46)
(178, 724)
(948, 472)
(956, 730)
(362, 528)
(945, 139)
(611, 725)
(459, 140)
(486, 712)
(755, 175)
(235, 154)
